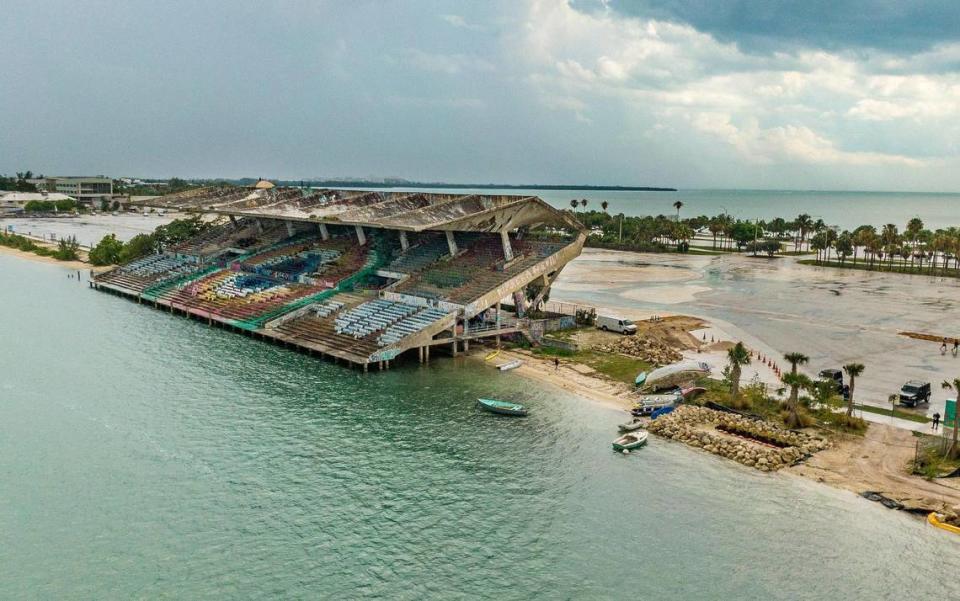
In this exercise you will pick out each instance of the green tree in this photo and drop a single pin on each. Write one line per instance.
(737, 356)
(844, 246)
(954, 387)
(795, 359)
(107, 251)
(678, 205)
(803, 224)
(854, 370)
(140, 245)
(68, 249)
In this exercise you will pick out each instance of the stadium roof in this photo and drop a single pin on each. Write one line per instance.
(411, 211)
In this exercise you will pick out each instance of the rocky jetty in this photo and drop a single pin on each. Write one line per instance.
(650, 350)
(754, 443)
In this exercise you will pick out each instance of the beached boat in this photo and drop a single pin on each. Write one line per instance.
(510, 365)
(671, 376)
(646, 404)
(502, 407)
(630, 426)
(491, 355)
(640, 379)
(630, 441)
(692, 392)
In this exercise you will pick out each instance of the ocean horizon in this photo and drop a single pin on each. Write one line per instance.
(844, 209)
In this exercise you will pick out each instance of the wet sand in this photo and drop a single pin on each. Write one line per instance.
(835, 316)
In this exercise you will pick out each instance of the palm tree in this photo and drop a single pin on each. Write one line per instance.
(583, 203)
(738, 356)
(716, 227)
(573, 204)
(804, 224)
(795, 359)
(954, 387)
(678, 205)
(853, 370)
(604, 205)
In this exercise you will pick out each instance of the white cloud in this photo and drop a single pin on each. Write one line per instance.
(801, 106)
(450, 64)
(459, 21)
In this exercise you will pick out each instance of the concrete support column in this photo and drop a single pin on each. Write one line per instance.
(361, 237)
(452, 244)
(420, 353)
(404, 244)
(289, 225)
(507, 248)
(324, 234)
(498, 324)
(466, 345)
(453, 345)
(427, 354)
(259, 226)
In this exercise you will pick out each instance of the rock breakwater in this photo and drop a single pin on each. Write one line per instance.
(754, 443)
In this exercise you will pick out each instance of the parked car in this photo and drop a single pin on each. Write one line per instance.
(610, 323)
(915, 392)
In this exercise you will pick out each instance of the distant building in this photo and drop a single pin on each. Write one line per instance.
(13, 202)
(86, 190)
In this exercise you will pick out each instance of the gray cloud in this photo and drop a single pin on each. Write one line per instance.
(895, 26)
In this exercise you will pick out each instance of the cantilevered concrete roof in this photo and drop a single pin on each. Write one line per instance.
(411, 211)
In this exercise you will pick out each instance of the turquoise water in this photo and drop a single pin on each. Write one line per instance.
(145, 455)
(844, 209)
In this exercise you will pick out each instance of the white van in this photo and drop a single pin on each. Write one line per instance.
(610, 323)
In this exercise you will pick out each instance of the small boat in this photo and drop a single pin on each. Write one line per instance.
(630, 426)
(661, 411)
(640, 379)
(502, 407)
(492, 355)
(630, 441)
(671, 376)
(648, 403)
(510, 365)
(692, 392)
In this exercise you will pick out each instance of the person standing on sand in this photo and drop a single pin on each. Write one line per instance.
(943, 347)
(936, 421)
(556, 364)
(956, 346)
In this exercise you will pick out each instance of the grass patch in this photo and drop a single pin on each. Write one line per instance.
(552, 351)
(920, 419)
(614, 365)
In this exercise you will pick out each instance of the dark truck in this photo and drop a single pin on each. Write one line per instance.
(836, 376)
(915, 392)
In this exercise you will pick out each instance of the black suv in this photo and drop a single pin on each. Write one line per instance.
(915, 392)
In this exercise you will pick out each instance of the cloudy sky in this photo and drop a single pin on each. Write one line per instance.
(820, 94)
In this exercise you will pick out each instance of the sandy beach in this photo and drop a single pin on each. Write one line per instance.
(81, 266)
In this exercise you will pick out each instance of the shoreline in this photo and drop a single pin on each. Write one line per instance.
(857, 464)
(72, 265)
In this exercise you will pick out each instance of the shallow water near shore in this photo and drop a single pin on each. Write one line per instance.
(147, 455)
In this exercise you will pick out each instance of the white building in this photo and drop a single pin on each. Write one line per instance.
(86, 190)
